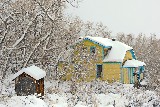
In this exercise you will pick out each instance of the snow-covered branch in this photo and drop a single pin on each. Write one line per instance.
(36, 46)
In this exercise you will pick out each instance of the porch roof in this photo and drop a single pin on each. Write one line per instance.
(133, 63)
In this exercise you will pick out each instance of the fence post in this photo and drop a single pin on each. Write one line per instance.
(114, 104)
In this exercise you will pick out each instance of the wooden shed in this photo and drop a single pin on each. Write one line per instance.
(29, 81)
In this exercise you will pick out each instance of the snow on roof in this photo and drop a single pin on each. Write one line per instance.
(33, 71)
(118, 49)
(133, 63)
(102, 41)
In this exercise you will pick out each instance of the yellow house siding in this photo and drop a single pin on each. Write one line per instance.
(62, 69)
(128, 56)
(93, 62)
(125, 77)
(99, 50)
(124, 71)
(90, 66)
(111, 71)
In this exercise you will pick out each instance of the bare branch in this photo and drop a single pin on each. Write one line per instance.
(36, 46)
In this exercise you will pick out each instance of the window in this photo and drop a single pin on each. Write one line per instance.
(93, 49)
(99, 71)
(106, 51)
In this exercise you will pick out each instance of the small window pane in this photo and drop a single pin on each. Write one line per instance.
(93, 50)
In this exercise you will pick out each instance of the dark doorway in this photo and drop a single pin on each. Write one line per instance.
(25, 86)
(99, 71)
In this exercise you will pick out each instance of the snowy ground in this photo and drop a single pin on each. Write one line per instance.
(92, 94)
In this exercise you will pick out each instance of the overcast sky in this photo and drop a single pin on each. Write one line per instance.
(128, 16)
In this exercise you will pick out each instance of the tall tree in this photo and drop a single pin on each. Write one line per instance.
(32, 32)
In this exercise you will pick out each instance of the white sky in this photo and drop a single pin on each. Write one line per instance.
(128, 16)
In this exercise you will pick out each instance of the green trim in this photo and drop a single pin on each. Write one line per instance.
(141, 69)
(112, 62)
(133, 54)
(102, 53)
(132, 74)
(128, 67)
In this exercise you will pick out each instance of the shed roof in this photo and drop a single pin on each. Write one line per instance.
(33, 71)
(133, 63)
(118, 49)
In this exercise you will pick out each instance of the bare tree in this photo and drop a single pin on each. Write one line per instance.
(32, 32)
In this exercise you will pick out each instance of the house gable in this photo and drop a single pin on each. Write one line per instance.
(84, 58)
(98, 49)
(128, 56)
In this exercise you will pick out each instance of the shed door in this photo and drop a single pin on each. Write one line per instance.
(25, 86)
(99, 71)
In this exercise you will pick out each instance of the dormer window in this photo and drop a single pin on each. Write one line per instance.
(106, 51)
(92, 49)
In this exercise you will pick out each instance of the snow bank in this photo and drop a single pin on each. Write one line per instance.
(57, 100)
(80, 104)
(108, 100)
(143, 82)
(1, 105)
(88, 94)
(24, 101)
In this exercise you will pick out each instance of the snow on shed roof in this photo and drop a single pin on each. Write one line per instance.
(33, 71)
(118, 49)
(133, 63)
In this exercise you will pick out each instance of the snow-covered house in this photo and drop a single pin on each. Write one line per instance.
(112, 60)
(29, 80)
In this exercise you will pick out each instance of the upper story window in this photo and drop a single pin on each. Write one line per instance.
(92, 49)
(106, 51)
